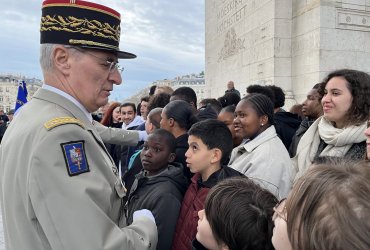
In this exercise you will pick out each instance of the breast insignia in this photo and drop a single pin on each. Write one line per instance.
(49, 125)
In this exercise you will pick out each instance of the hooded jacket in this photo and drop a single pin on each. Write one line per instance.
(134, 123)
(162, 194)
(194, 200)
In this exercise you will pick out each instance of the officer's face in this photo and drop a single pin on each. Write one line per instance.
(155, 155)
(91, 79)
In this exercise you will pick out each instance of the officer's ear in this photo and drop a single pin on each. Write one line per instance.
(61, 59)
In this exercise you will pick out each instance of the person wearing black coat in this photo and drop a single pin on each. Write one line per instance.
(160, 187)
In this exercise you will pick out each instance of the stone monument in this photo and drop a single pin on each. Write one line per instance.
(293, 44)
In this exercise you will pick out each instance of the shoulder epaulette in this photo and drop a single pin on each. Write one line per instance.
(61, 121)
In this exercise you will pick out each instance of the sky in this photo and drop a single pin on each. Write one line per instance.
(166, 35)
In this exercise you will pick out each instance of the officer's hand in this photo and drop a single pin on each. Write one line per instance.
(143, 213)
(143, 135)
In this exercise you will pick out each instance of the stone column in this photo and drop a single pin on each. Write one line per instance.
(249, 42)
(292, 44)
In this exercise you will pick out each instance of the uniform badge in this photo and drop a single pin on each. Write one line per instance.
(75, 157)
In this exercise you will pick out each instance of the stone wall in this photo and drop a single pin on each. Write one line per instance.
(292, 44)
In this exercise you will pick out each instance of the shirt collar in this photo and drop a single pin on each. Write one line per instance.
(69, 97)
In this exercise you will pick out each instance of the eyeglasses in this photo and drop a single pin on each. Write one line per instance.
(280, 210)
(111, 65)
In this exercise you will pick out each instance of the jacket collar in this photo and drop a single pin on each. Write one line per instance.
(65, 104)
(266, 135)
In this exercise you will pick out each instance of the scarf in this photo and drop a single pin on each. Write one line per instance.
(338, 140)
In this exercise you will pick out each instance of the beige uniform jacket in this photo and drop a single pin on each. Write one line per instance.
(59, 186)
(117, 135)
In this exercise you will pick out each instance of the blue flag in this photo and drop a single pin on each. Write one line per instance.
(22, 95)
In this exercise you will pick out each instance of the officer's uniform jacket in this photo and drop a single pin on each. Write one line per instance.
(59, 186)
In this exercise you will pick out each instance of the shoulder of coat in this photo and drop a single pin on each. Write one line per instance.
(55, 122)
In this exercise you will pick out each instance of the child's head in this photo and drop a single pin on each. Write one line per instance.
(210, 143)
(238, 212)
(153, 120)
(253, 115)
(179, 114)
(226, 115)
(158, 151)
(328, 207)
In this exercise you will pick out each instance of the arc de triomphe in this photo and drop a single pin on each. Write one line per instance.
(290, 43)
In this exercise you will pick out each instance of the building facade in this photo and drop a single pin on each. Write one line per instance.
(291, 44)
(9, 89)
(194, 81)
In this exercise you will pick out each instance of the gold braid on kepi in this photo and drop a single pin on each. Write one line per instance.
(80, 23)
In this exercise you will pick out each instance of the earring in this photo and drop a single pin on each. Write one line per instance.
(262, 125)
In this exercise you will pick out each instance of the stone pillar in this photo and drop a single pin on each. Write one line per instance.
(292, 44)
(249, 42)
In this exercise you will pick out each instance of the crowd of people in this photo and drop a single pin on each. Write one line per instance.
(174, 172)
(222, 136)
(237, 145)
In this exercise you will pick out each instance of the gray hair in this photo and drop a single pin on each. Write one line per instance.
(46, 60)
(46, 56)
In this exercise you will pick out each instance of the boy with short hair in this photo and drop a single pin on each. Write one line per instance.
(210, 144)
(160, 186)
(237, 215)
(134, 164)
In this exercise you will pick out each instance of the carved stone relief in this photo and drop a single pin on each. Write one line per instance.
(353, 19)
(232, 45)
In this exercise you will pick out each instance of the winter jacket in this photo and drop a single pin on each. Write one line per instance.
(123, 150)
(129, 177)
(133, 149)
(305, 124)
(286, 124)
(194, 200)
(181, 148)
(196, 245)
(266, 161)
(162, 194)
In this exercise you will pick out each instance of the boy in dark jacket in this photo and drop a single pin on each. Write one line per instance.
(210, 144)
(134, 165)
(160, 186)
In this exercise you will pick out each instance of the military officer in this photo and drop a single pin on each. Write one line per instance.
(59, 186)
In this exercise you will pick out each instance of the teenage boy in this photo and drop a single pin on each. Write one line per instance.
(237, 215)
(210, 144)
(312, 109)
(160, 187)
